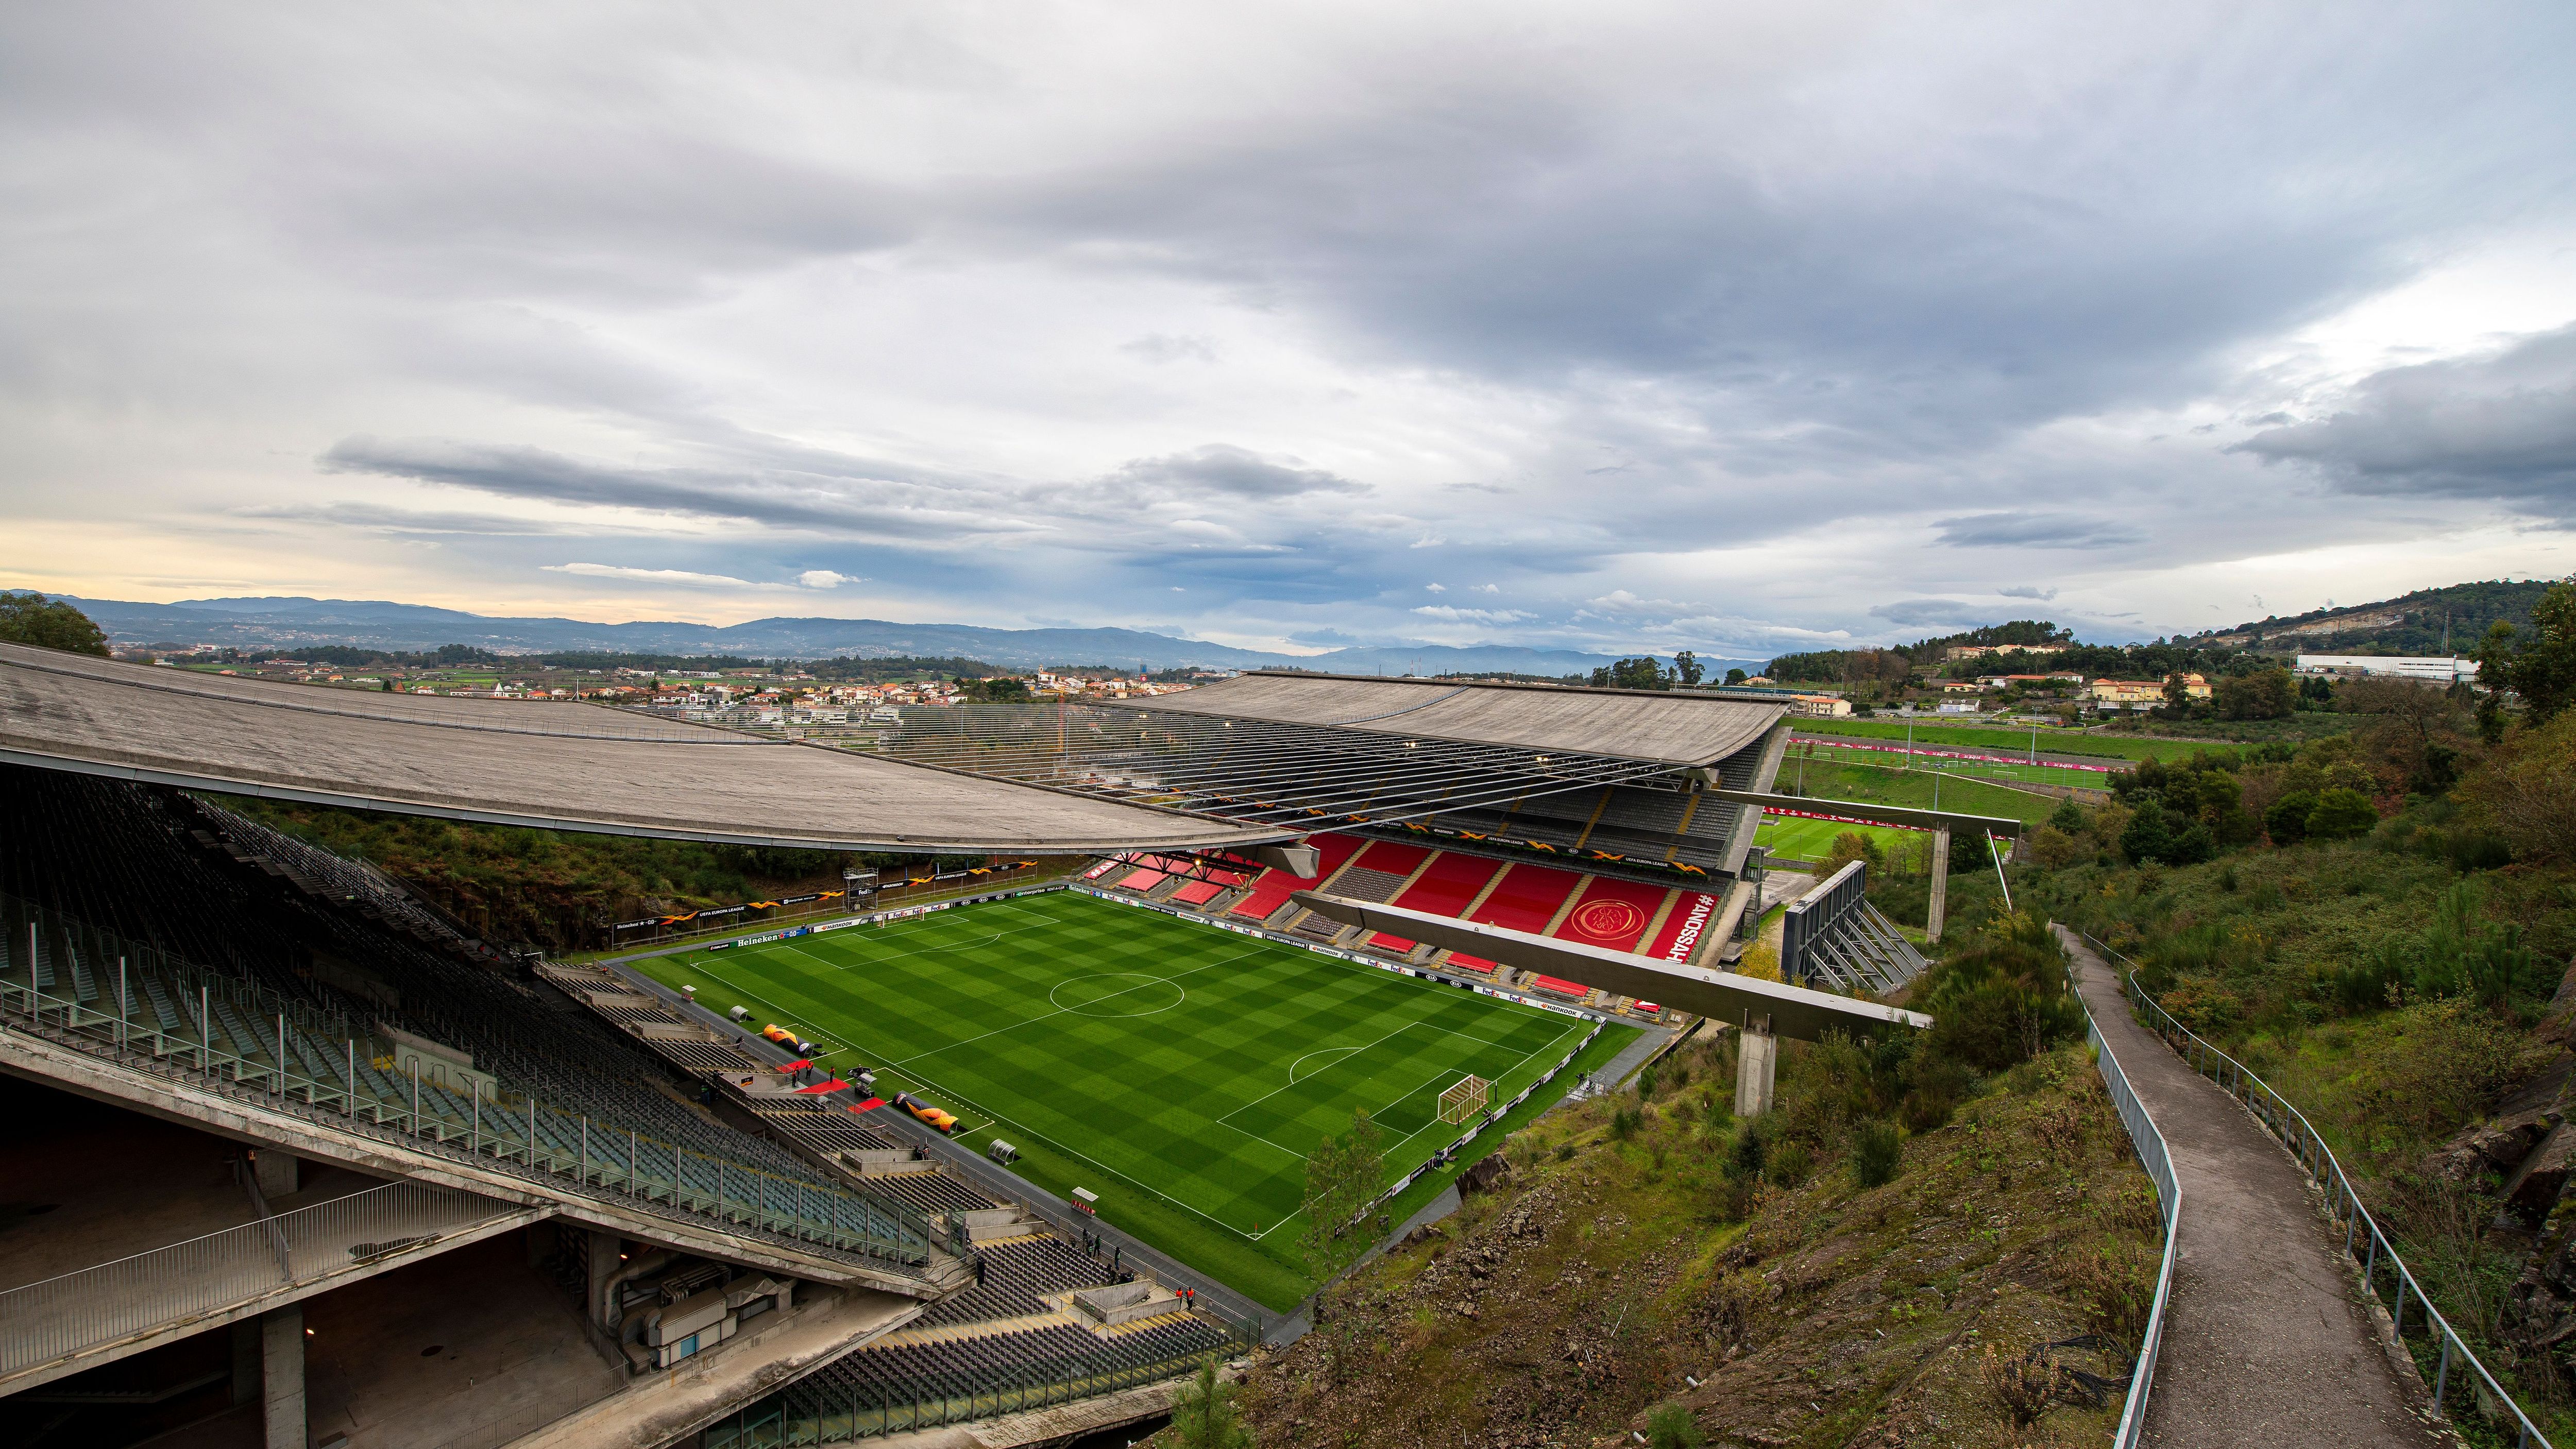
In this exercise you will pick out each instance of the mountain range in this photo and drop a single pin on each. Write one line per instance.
(288, 623)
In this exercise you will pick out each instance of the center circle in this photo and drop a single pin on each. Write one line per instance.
(1119, 993)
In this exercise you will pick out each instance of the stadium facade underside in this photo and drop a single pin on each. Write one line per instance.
(1621, 781)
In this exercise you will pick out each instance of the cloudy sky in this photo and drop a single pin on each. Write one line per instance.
(1737, 327)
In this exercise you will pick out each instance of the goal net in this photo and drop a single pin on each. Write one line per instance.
(1467, 1099)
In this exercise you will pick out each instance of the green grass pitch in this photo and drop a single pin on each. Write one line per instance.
(1180, 1071)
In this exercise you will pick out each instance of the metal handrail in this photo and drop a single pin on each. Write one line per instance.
(2149, 1142)
(2291, 1128)
(60, 1317)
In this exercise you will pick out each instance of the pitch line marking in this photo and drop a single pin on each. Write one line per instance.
(1060, 1011)
(1285, 955)
(1308, 1057)
(1027, 1130)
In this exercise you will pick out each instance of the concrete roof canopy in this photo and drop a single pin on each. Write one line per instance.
(1677, 729)
(552, 765)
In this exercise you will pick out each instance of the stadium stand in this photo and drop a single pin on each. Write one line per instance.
(1526, 898)
(244, 975)
(1686, 926)
(1612, 913)
(920, 1379)
(1448, 885)
(1271, 889)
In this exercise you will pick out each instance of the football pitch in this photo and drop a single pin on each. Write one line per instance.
(1181, 1072)
(1803, 839)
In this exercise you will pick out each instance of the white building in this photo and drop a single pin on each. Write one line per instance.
(2404, 666)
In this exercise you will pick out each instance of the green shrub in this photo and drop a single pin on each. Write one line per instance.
(1790, 1164)
(1877, 1152)
(1672, 1427)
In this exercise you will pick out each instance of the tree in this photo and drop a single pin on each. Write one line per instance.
(2341, 814)
(29, 618)
(1687, 668)
(1737, 676)
(2527, 790)
(2540, 668)
(1343, 1175)
(1641, 672)
(2287, 819)
(2148, 836)
(1203, 1412)
(2264, 694)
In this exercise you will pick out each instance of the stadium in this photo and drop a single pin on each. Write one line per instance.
(298, 1158)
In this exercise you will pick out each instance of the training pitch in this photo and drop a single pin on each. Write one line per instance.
(1150, 1057)
(1801, 839)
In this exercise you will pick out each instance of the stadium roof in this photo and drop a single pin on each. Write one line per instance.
(1321, 751)
(1630, 724)
(553, 765)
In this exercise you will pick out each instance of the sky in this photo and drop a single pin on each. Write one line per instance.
(1744, 328)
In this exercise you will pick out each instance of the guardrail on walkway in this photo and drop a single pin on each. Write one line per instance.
(2158, 1161)
(2363, 1240)
(84, 1309)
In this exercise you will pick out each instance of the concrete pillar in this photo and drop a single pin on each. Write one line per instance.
(1757, 1067)
(281, 1358)
(274, 1171)
(1940, 882)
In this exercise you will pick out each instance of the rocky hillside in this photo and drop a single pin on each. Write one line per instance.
(2417, 623)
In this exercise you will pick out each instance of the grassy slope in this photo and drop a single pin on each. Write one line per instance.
(1561, 1309)
(1136, 1107)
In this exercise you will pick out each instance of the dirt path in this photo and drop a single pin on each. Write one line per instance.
(2264, 1343)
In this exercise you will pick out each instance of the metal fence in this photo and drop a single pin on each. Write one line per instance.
(43, 1322)
(2364, 1241)
(2158, 1161)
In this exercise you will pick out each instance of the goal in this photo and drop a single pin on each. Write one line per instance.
(1466, 1099)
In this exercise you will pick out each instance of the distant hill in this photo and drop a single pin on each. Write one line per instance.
(285, 624)
(2415, 623)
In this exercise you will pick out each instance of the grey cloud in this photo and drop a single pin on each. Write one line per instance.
(1221, 468)
(373, 518)
(2026, 591)
(1158, 347)
(2502, 425)
(1934, 611)
(2036, 530)
(777, 496)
